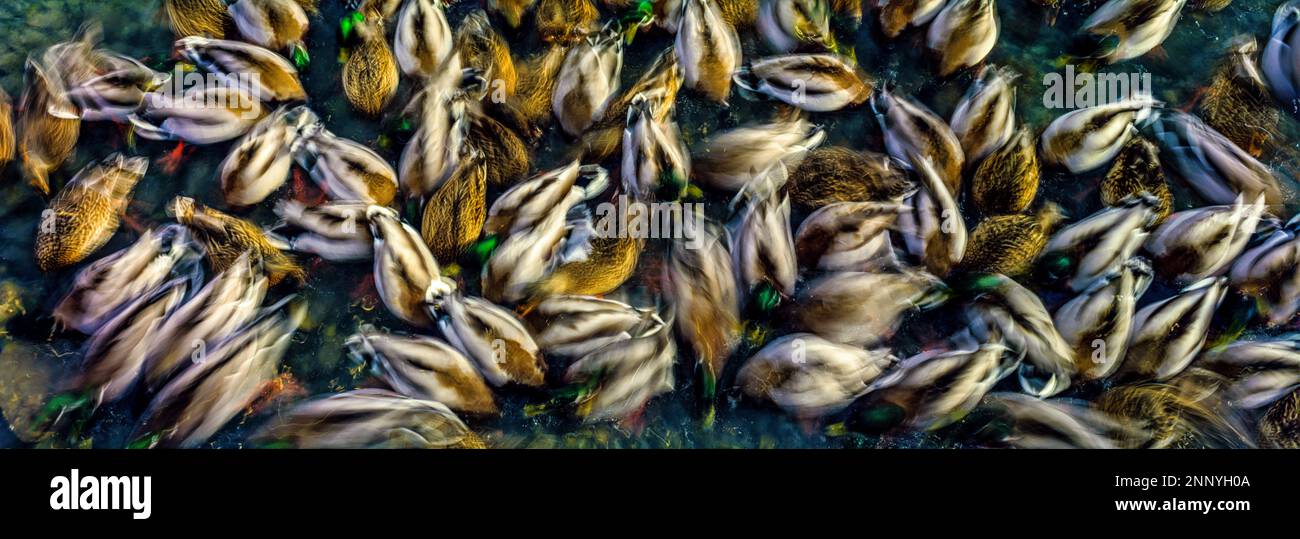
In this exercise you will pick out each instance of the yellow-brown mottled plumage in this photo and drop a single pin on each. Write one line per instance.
(566, 21)
(1137, 169)
(454, 215)
(896, 15)
(1238, 103)
(605, 138)
(1186, 412)
(45, 141)
(7, 141)
(1209, 5)
(610, 263)
(1008, 244)
(370, 75)
(740, 14)
(225, 238)
(310, 6)
(1007, 180)
(85, 214)
(510, 11)
(849, 10)
(503, 150)
(482, 48)
(836, 174)
(537, 78)
(203, 18)
(1280, 426)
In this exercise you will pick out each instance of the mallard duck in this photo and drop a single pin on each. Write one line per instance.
(116, 90)
(1238, 103)
(1194, 244)
(1268, 272)
(1126, 29)
(1085, 139)
(370, 75)
(963, 33)
(985, 119)
(1025, 422)
(1256, 372)
(230, 377)
(7, 140)
(1212, 165)
(526, 256)
(1008, 244)
(492, 336)
(1137, 170)
(250, 68)
(113, 281)
(847, 236)
(740, 14)
(861, 309)
(115, 355)
(1096, 323)
(1279, 428)
(566, 21)
(405, 270)
(334, 231)
(500, 145)
(279, 25)
(423, 368)
(538, 77)
(1277, 59)
(1175, 416)
(701, 285)
(787, 25)
(1168, 335)
(168, 117)
(482, 48)
(763, 245)
(610, 262)
(936, 388)
(735, 158)
(213, 313)
(454, 214)
(574, 326)
(932, 227)
(911, 130)
(588, 79)
(1089, 250)
(202, 18)
(830, 174)
(898, 15)
(621, 377)
(1006, 181)
(345, 169)
(532, 201)
(708, 48)
(375, 418)
(422, 39)
(660, 82)
(260, 162)
(86, 212)
(811, 82)
(48, 127)
(656, 161)
(1004, 309)
(226, 238)
(810, 377)
(434, 151)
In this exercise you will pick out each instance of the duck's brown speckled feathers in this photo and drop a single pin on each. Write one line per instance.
(832, 174)
(225, 238)
(1137, 170)
(1008, 244)
(1007, 180)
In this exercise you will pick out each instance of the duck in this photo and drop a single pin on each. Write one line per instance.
(201, 18)
(1086, 139)
(199, 401)
(962, 34)
(1024, 422)
(618, 379)
(1168, 335)
(534, 200)
(1009, 244)
(735, 158)
(525, 257)
(932, 227)
(1096, 323)
(48, 127)
(609, 263)
(370, 75)
(570, 326)
(822, 82)
(500, 145)
(788, 25)
(860, 308)
(740, 14)
(117, 89)
(261, 72)
(345, 169)
(831, 174)
(481, 47)
(86, 212)
(509, 11)
(279, 25)
(373, 418)
(588, 79)
(110, 283)
(490, 335)
(1176, 415)
(423, 367)
(1276, 60)
(763, 245)
(1084, 252)
(938, 387)
(1238, 102)
(985, 119)
(405, 270)
(114, 356)
(226, 238)
(656, 163)
(659, 82)
(810, 377)
(334, 231)
(1267, 272)
(261, 161)
(165, 117)
(566, 21)
(1127, 29)
(1002, 308)
(911, 130)
(847, 236)
(1006, 181)
(422, 40)
(1256, 373)
(1278, 425)
(1218, 170)
(455, 213)
(700, 284)
(434, 151)
(222, 306)
(1137, 170)
(899, 15)
(708, 49)
(8, 142)
(1195, 244)
(534, 94)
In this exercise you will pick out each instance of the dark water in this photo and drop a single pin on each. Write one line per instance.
(34, 357)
